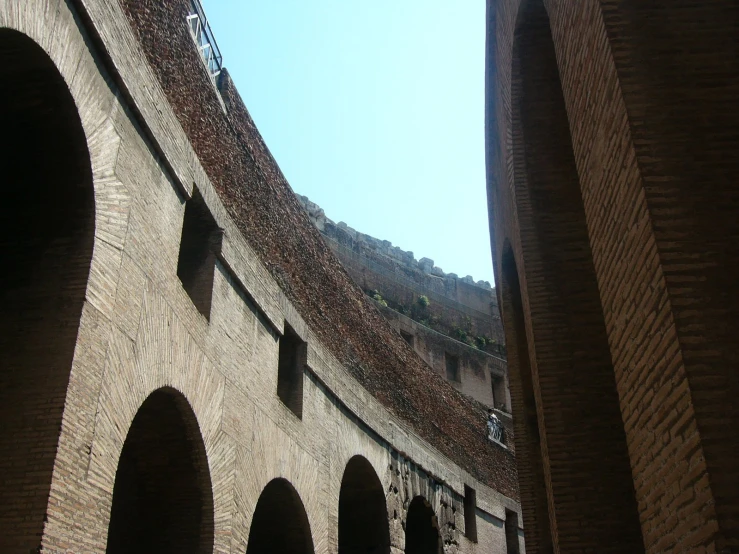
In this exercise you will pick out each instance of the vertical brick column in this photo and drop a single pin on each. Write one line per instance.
(526, 421)
(584, 449)
(678, 68)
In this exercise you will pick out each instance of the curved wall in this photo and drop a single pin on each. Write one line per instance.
(140, 332)
(627, 240)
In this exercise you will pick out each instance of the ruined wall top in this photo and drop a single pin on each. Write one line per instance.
(340, 232)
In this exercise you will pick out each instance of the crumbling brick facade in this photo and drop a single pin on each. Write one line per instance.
(461, 319)
(612, 167)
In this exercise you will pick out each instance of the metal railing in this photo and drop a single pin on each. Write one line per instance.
(495, 431)
(204, 39)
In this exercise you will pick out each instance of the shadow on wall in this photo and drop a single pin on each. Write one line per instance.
(46, 229)
(421, 528)
(280, 523)
(162, 499)
(363, 518)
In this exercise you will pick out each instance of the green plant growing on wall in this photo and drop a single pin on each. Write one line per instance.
(423, 301)
(375, 295)
(459, 334)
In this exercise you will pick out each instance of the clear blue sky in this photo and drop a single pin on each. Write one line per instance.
(374, 110)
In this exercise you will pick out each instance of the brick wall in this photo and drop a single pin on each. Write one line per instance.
(267, 213)
(46, 225)
(124, 330)
(647, 103)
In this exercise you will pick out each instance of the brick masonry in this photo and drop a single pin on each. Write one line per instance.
(644, 100)
(139, 332)
(455, 304)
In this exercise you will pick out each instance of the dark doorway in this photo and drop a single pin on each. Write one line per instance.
(280, 523)
(421, 529)
(47, 221)
(363, 521)
(162, 499)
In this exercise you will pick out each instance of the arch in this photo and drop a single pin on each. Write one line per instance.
(583, 448)
(47, 220)
(421, 528)
(363, 522)
(280, 523)
(526, 421)
(162, 498)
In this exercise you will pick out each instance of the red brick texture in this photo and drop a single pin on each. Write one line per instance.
(632, 264)
(46, 235)
(272, 220)
(532, 485)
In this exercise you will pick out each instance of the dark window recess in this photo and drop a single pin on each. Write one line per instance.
(452, 367)
(470, 507)
(511, 532)
(499, 397)
(200, 244)
(293, 357)
(407, 337)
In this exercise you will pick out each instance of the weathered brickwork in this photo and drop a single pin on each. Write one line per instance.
(455, 306)
(625, 240)
(482, 376)
(262, 205)
(135, 420)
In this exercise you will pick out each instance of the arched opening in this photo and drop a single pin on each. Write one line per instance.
(421, 528)
(529, 459)
(280, 523)
(46, 239)
(162, 498)
(584, 452)
(363, 521)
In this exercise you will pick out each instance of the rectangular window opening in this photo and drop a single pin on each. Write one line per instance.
(452, 367)
(199, 246)
(407, 337)
(293, 354)
(499, 395)
(511, 532)
(470, 518)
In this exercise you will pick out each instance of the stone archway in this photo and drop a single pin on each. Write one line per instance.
(162, 498)
(363, 521)
(421, 528)
(280, 523)
(47, 220)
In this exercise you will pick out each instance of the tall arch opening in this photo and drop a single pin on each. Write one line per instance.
(363, 521)
(46, 239)
(584, 449)
(526, 420)
(280, 523)
(162, 498)
(421, 528)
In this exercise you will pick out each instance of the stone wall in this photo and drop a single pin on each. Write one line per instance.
(144, 353)
(480, 375)
(376, 264)
(455, 306)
